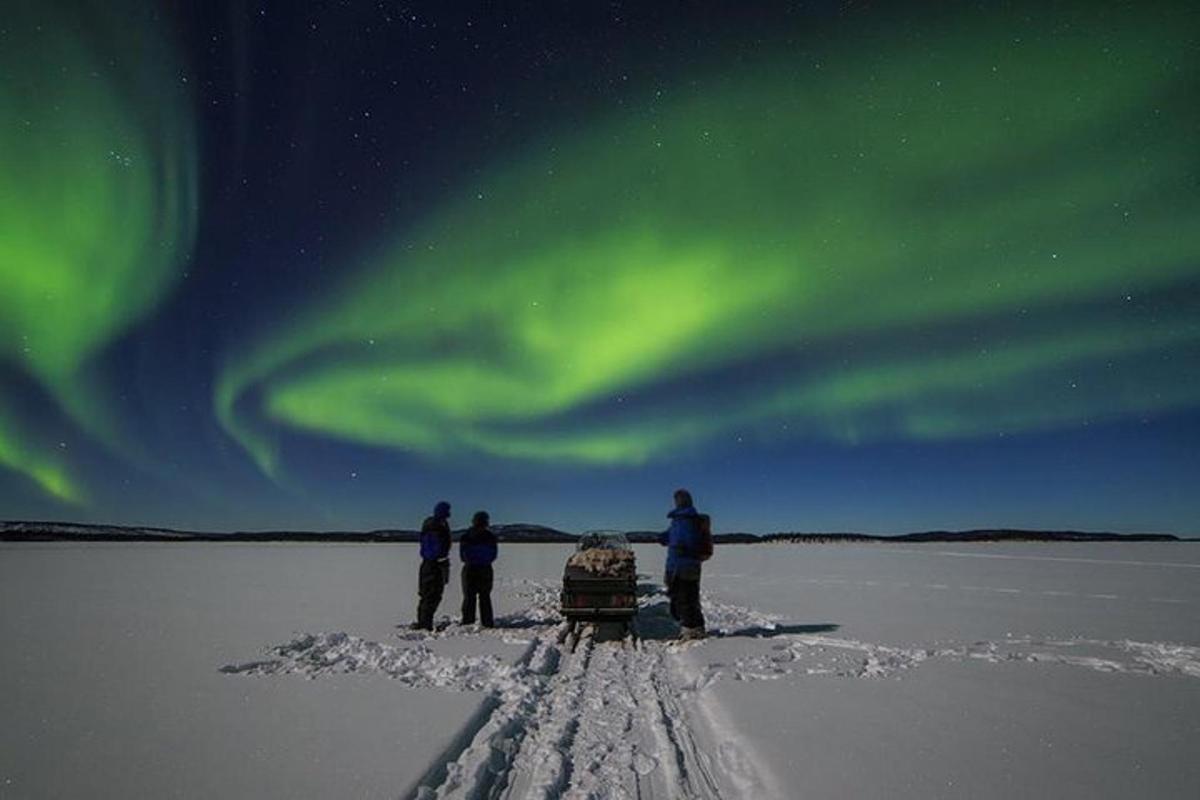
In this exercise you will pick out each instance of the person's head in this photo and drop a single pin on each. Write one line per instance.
(481, 519)
(442, 510)
(683, 498)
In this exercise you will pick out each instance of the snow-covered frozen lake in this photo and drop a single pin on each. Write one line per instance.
(211, 670)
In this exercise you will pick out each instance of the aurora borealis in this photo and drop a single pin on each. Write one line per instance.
(96, 209)
(873, 269)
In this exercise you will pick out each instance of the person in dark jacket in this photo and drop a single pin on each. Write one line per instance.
(478, 550)
(435, 564)
(682, 540)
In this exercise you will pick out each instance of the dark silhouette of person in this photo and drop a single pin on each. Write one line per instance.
(478, 549)
(435, 564)
(682, 540)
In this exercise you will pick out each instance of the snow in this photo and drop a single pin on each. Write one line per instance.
(201, 670)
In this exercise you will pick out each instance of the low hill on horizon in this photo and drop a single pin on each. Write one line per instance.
(45, 531)
(17, 531)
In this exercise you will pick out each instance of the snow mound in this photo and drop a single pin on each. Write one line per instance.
(416, 665)
(849, 658)
(1162, 659)
(318, 654)
(733, 620)
(519, 627)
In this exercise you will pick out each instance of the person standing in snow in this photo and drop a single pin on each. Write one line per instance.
(435, 564)
(683, 542)
(478, 549)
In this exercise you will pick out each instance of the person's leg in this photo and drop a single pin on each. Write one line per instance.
(437, 587)
(485, 597)
(429, 585)
(435, 600)
(673, 595)
(691, 615)
(468, 606)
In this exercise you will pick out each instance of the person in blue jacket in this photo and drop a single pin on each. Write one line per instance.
(478, 549)
(682, 540)
(435, 564)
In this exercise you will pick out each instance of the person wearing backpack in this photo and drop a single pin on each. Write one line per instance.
(435, 564)
(689, 543)
(478, 549)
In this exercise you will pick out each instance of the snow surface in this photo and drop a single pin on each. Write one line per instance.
(238, 670)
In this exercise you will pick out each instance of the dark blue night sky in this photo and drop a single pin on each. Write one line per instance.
(833, 267)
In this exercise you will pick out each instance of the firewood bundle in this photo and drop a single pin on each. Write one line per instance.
(604, 562)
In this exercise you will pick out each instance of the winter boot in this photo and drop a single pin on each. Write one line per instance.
(692, 634)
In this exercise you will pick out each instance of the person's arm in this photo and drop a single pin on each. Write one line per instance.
(664, 538)
(426, 539)
(445, 542)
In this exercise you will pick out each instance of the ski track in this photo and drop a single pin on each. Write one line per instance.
(611, 720)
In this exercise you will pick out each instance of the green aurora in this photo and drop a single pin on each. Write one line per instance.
(97, 209)
(872, 243)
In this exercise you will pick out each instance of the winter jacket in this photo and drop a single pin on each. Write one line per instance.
(435, 538)
(682, 539)
(477, 547)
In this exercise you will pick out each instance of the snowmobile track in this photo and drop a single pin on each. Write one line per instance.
(604, 721)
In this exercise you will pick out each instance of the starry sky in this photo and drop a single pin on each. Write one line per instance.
(872, 267)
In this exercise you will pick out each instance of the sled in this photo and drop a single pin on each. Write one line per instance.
(600, 588)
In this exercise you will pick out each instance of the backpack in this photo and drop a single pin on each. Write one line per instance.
(705, 551)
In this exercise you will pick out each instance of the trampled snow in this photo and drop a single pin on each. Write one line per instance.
(201, 670)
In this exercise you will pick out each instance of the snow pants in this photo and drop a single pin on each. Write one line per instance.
(477, 585)
(431, 582)
(683, 587)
